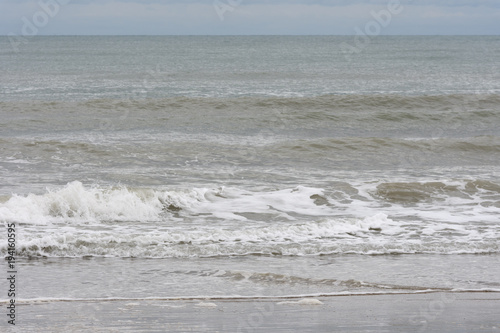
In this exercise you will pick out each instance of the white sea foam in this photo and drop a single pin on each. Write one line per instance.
(80, 203)
(288, 298)
(75, 202)
(206, 305)
(124, 222)
(305, 301)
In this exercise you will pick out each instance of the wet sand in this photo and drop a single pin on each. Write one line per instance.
(431, 312)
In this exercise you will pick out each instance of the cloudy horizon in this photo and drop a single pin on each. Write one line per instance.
(245, 17)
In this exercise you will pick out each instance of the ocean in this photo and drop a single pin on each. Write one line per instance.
(193, 167)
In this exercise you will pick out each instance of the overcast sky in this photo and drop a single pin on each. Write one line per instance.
(254, 17)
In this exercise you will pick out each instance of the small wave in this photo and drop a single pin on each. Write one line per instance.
(78, 203)
(431, 191)
(75, 202)
(81, 221)
(369, 237)
(324, 146)
(242, 298)
(280, 279)
(442, 111)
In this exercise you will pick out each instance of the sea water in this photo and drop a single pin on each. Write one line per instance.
(248, 166)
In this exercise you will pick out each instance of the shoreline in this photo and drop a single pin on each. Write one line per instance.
(243, 298)
(416, 312)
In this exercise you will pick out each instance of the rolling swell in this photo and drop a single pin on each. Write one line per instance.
(383, 107)
(486, 144)
(329, 101)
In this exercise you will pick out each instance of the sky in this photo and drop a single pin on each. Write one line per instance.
(249, 17)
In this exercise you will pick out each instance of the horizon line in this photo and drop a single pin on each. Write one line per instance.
(249, 35)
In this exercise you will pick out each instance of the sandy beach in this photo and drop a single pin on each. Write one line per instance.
(433, 312)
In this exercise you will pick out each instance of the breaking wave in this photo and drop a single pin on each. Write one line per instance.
(302, 221)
